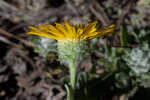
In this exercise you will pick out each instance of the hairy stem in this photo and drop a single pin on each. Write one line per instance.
(72, 79)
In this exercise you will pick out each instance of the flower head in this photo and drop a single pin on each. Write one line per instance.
(71, 44)
(71, 32)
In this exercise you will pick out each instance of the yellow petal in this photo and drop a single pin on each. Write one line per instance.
(103, 31)
(70, 29)
(61, 28)
(90, 28)
(39, 32)
(71, 32)
(51, 29)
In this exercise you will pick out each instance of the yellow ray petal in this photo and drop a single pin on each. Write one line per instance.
(51, 29)
(90, 28)
(79, 31)
(89, 35)
(103, 31)
(71, 32)
(70, 29)
(39, 32)
(61, 28)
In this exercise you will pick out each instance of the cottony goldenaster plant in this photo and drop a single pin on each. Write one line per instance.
(71, 43)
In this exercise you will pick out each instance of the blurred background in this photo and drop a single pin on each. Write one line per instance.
(117, 67)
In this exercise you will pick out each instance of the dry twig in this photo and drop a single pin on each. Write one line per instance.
(126, 11)
(9, 35)
(98, 11)
(5, 40)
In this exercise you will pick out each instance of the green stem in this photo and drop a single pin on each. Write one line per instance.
(72, 79)
(73, 75)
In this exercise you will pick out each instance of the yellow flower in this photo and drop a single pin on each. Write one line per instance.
(71, 32)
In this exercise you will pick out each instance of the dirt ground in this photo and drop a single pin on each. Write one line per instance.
(26, 75)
